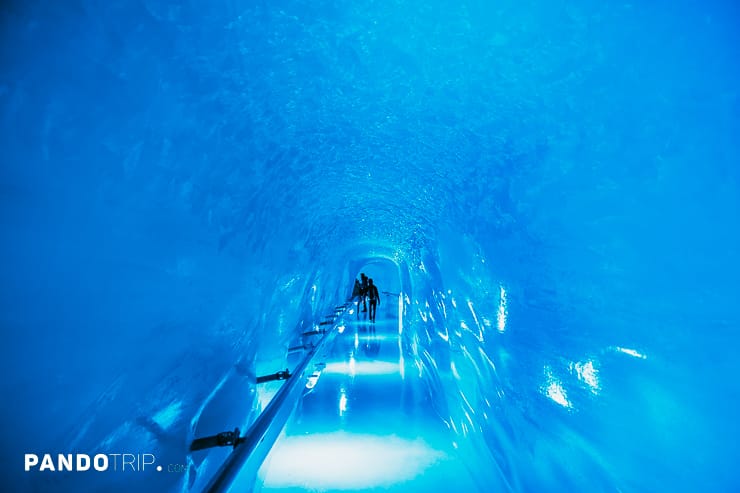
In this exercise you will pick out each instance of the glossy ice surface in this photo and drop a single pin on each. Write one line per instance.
(548, 192)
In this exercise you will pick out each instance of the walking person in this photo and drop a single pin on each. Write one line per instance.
(357, 295)
(374, 297)
(364, 287)
(356, 290)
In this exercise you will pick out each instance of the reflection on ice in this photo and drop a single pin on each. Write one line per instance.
(631, 352)
(354, 367)
(502, 311)
(349, 461)
(477, 323)
(167, 416)
(588, 374)
(313, 379)
(400, 314)
(553, 389)
(342, 402)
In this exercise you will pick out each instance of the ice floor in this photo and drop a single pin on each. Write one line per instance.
(368, 424)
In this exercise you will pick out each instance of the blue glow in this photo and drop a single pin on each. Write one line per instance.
(502, 311)
(547, 195)
(554, 389)
(345, 461)
(354, 368)
(167, 416)
(631, 352)
(342, 403)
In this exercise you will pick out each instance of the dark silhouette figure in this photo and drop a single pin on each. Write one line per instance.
(374, 296)
(364, 287)
(357, 295)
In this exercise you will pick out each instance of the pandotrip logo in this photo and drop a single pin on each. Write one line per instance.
(123, 462)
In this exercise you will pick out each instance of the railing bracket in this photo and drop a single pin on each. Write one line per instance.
(280, 375)
(223, 439)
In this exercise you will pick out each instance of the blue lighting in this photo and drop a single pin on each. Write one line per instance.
(343, 461)
(546, 196)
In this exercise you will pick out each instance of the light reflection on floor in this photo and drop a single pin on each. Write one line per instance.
(348, 461)
(366, 425)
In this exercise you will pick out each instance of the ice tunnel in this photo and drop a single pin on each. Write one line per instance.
(546, 195)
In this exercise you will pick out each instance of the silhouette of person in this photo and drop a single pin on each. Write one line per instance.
(357, 295)
(364, 287)
(374, 296)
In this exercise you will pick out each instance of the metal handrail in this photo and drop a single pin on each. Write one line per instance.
(248, 456)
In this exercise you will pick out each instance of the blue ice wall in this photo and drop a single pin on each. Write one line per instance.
(184, 186)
